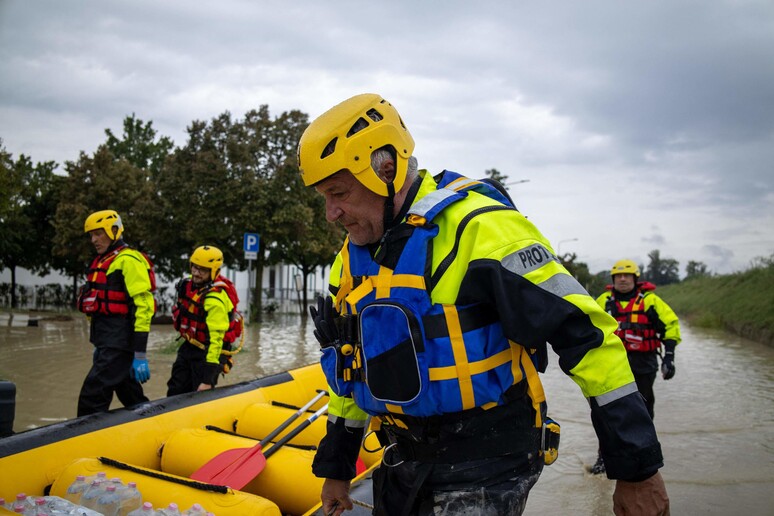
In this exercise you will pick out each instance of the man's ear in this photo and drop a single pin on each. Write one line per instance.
(387, 171)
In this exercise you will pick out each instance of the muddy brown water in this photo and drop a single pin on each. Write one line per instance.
(715, 418)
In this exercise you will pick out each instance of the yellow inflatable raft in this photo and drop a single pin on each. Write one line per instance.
(160, 444)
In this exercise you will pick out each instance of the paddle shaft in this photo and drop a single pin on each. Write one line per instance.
(222, 468)
(240, 472)
(274, 433)
(297, 430)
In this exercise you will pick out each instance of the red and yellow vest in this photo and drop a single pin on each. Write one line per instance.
(190, 318)
(635, 329)
(107, 295)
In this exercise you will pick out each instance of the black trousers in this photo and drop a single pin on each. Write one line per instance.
(482, 465)
(420, 489)
(645, 383)
(110, 373)
(189, 370)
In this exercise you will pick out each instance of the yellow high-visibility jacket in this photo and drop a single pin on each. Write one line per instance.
(499, 258)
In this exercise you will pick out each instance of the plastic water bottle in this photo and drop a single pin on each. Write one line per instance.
(145, 510)
(40, 508)
(91, 495)
(131, 499)
(101, 476)
(23, 504)
(60, 506)
(170, 510)
(195, 510)
(76, 489)
(108, 502)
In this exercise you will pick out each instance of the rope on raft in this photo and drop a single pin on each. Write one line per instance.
(202, 486)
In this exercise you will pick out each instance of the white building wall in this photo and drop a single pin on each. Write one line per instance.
(278, 286)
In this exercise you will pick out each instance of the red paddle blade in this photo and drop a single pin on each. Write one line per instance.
(360, 466)
(234, 468)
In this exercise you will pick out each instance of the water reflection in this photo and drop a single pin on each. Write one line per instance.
(714, 418)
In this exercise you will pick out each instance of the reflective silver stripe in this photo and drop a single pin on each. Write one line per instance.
(351, 423)
(563, 285)
(463, 182)
(528, 259)
(427, 202)
(616, 394)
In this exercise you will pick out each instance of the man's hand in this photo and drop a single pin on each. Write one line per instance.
(668, 365)
(668, 362)
(646, 498)
(324, 317)
(140, 370)
(335, 497)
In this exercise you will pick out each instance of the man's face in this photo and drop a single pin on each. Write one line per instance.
(100, 240)
(353, 206)
(624, 283)
(199, 275)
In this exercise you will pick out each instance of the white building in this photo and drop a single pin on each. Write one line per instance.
(281, 286)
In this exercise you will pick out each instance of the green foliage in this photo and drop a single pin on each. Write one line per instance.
(30, 193)
(661, 271)
(138, 145)
(741, 302)
(696, 269)
(495, 174)
(93, 183)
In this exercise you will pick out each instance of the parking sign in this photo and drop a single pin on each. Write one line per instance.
(252, 244)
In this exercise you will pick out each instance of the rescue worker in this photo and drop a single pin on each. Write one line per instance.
(442, 300)
(206, 317)
(118, 299)
(645, 321)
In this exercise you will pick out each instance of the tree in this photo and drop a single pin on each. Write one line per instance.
(301, 235)
(662, 271)
(696, 269)
(94, 183)
(495, 174)
(234, 176)
(139, 146)
(25, 215)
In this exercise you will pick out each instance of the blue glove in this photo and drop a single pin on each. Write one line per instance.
(140, 370)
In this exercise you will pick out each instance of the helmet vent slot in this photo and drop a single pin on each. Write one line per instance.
(374, 115)
(358, 126)
(329, 149)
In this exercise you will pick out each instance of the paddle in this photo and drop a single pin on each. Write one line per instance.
(242, 471)
(222, 465)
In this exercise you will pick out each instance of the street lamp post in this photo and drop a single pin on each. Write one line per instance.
(517, 182)
(559, 245)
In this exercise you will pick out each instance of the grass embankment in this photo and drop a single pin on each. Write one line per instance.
(741, 303)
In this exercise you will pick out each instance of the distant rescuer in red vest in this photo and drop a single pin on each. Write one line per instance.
(206, 317)
(118, 299)
(645, 322)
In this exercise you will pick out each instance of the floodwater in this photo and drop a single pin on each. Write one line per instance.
(715, 418)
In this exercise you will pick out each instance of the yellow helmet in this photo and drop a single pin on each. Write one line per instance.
(625, 267)
(208, 257)
(109, 220)
(344, 138)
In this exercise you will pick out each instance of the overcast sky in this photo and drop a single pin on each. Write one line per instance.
(637, 125)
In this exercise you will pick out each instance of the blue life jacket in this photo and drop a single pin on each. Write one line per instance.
(409, 355)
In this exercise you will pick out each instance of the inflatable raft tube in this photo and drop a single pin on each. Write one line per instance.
(163, 491)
